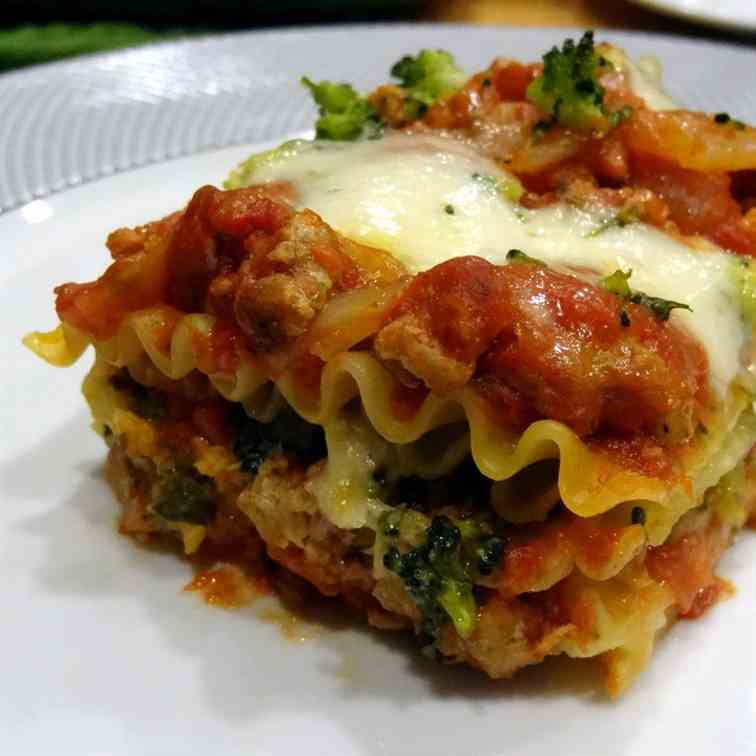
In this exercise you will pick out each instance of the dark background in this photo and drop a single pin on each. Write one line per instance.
(211, 13)
(36, 31)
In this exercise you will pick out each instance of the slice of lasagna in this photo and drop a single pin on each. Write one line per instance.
(476, 360)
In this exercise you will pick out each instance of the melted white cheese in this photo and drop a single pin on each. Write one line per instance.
(417, 197)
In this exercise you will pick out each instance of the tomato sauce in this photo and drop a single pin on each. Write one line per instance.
(556, 607)
(224, 586)
(191, 413)
(641, 453)
(705, 598)
(597, 543)
(340, 267)
(537, 548)
(550, 345)
(536, 343)
(407, 400)
(171, 261)
(163, 333)
(307, 370)
(511, 80)
(525, 561)
(686, 566)
(131, 283)
(686, 159)
(225, 346)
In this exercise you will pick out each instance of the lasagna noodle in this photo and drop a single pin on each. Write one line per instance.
(589, 481)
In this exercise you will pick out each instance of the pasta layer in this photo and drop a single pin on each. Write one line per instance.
(590, 481)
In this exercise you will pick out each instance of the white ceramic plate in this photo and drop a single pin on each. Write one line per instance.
(101, 651)
(735, 15)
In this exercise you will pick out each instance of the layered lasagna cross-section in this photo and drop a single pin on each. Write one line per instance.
(477, 360)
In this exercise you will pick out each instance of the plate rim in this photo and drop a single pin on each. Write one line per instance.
(31, 71)
(71, 66)
(710, 20)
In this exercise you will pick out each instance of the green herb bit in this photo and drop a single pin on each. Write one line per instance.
(660, 308)
(490, 182)
(724, 119)
(508, 187)
(541, 128)
(619, 220)
(449, 209)
(518, 256)
(617, 283)
(616, 117)
(344, 114)
(638, 516)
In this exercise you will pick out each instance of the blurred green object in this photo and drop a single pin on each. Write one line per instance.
(26, 45)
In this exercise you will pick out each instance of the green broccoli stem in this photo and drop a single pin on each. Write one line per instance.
(441, 572)
(344, 114)
(426, 78)
(568, 89)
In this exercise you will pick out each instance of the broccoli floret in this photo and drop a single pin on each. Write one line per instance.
(345, 115)
(439, 574)
(568, 89)
(660, 308)
(186, 496)
(426, 78)
(254, 441)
